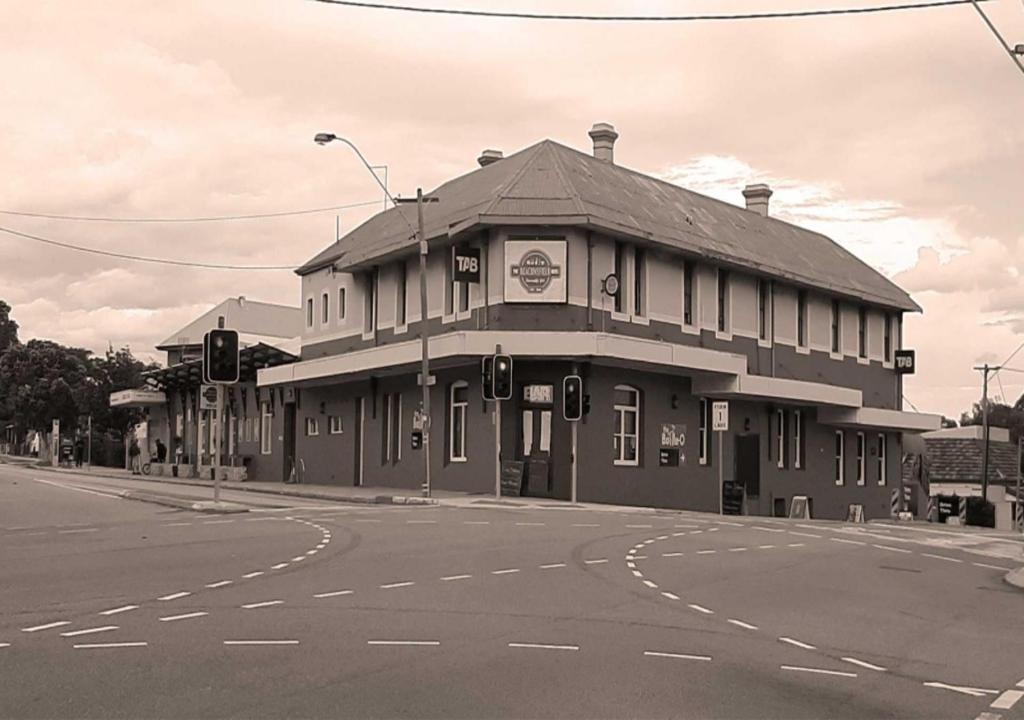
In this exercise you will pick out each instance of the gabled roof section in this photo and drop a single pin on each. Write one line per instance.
(248, 317)
(551, 183)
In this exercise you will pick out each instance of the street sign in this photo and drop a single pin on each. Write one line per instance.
(905, 361)
(208, 397)
(466, 265)
(720, 415)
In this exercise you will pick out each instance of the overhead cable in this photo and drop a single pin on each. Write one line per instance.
(211, 218)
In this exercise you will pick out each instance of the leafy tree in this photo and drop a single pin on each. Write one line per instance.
(8, 328)
(999, 415)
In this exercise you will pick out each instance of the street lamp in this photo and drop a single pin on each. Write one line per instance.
(323, 139)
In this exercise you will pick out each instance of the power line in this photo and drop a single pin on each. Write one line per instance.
(140, 258)
(912, 405)
(650, 18)
(211, 218)
(1006, 46)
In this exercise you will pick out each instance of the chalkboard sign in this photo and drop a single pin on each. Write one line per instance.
(732, 498)
(800, 508)
(512, 477)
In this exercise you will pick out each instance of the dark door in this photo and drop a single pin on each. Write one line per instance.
(535, 449)
(289, 440)
(748, 464)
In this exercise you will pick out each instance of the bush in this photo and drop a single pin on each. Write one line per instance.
(980, 512)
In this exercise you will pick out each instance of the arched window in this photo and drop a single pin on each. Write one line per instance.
(458, 401)
(627, 425)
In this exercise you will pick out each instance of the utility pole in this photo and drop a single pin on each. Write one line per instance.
(1019, 518)
(985, 370)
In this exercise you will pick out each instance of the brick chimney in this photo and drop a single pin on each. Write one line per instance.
(757, 198)
(604, 137)
(489, 156)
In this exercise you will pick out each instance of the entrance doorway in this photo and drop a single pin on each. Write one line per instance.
(748, 464)
(289, 440)
(535, 450)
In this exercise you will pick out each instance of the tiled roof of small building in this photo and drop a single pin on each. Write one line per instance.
(960, 460)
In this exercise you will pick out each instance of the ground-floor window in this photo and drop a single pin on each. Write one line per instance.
(334, 426)
(780, 435)
(458, 403)
(312, 426)
(704, 434)
(391, 446)
(627, 425)
(798, 439)
(861, 452)
(881, 459)
(840, 475)
(266, 419)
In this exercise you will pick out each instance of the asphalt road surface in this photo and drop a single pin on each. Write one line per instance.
(117, 609)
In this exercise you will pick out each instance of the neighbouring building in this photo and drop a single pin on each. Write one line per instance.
(254, 445)
(662, 299)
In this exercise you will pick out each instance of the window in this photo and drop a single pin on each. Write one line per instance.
(627, 425)
(400, 299)
(391, 429)
(862, 332)
(463, 296)
(619, 270)
(385, 435)
(723, 300)
(798, 439)
(458, 403)
(763, 308)
(341, 303)
(457, 297)
(687, 292)
(396, 426)
(704, 433)
(325, 310)
(370, 304)
(266, 419)
(309, 312)
(780, 435)
(881, 460)
(334, 426)
(836, 346)
(887, 340)
(639, 277)
(840, 475)
(312, 426)
(801, 318)
(861, 448)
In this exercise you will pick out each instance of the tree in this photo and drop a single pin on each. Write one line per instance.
(999, 415)
(8, 328)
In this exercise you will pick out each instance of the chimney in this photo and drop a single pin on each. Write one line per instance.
(757, 198)
(604, 137)
(489, 156)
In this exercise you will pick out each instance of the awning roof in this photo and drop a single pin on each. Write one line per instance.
(190, 374)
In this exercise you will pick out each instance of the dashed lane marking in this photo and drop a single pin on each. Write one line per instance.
(797, 643)
(89, 631)
(123, 608)
(794, 532)
(367, 520)
(333, 593)
(550, 566)
(265, 603)
(672, 554)
(542, 646)
(298, 558)
(261, 642)
(102, 646)
(767, 529)
(649, 584)
(506, 571)
(639, 527)
(314, 551)
(700, 609)
(965, 690)
(662, 537)
(696, 532)
(706, 552)
(714, 529)
(670, 596)
(47, 626)
(456, 577)
(637, 573)
(991, 567)
(677, 656)
(185, 616)
(795, 545)
(255, 573)
(421, 522)
(869, 666)
(890, 548)
(413, 643)
(174, 596)
(726, 522)
(942, 557)
(737, 549)
(279, 566)
(848, 542)
(808, 527)
(631, 565)
(183, 524)
(5, 645)
(476, 522)
(765, 547)
(740, 623)
(598, 561)
(531, 524)
(83, 530)
(217, 522)
(1007, 700)
(389, 586)
(819, 671)
(219, 583)
(585, 525)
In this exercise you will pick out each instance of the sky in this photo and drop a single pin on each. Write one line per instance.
(899, 135)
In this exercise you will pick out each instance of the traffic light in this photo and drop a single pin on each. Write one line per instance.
(586, 403)
(502, 377)
(417, 439)
(487, 377)
(572, 397)
(220, 356)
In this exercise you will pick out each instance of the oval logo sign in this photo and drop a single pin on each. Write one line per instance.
(535, 271)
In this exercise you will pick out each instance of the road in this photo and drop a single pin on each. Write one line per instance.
(117, 609)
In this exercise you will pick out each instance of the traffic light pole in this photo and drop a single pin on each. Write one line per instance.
(424, 345)
(219, 434)
(575, 437)
(497, 430)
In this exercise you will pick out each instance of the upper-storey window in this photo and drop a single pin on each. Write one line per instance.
(325, 309)
(723, 300)
(836, 346)
(862, 332)
(639, 281)
(763, 308)
(619, 270)
(687, 292)
(341, 303)
(457, 293)
(887, 337)
(309, 312)
(400, 299)
(370, 303)
(801, 318)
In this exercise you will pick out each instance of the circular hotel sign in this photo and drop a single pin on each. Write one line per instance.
(535, 271)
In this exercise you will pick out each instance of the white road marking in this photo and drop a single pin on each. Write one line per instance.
(595, 562)
(808, 527)
(476, 522)
(672, 554)
(279, 566)
(941, 557)
(662, 537)
(298, 558)
(678, 656)
(183, 524)
(5, 645)
(631, 565)
(989, 716)
(765, 547)
(216, 522)
(972, 691)
(456, 577)
(639, 557)
(848, 542)
(98, 646)
(47, 626)
(585, 525)
(219, 583)
(174, 596)
(766, 529)
(314, 551)
(744, 625)
(791, 641)
(552, 565)
(890, 548)
(543, 646)
(794, 532)
(404, 642)
(253, 574)
(647, 542)
(421, 522)
(701, 609)
(737, 549)
(371, 520)
(321, 546)
(637, 573)
(714, 529)
(869, 666)
(819, 671)
(670, 596)
(389, 586)
(1020, 684)
(726, 522)
(186, 616)
(265, 603)
(506, 571)
(83, 530)
(530, 524)
(1007, 700)
(334, 593)
(261, 642)
(706, 552)
(991, 567)
(89, 631)
(649, 584)
(696, 532)
(123, 608)
(77, 489)
(639, 527)
(795, 545)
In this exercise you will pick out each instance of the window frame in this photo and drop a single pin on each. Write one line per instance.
(463, 408)
(798, 439)
(688, 277)
(341, 302)
(836, 340)
(266, 428)
(402, 297)
(639, 304)
(780, 438)
(887, 338)
(704, 433)
(312, 426)
(839, 458)
(620, 433)
(310, 315)
(883, 471)
(801, 319)
(862, 451)
(370, 305)
(325, 309)
(335, 428)
(619, 270)
(862, 332)
(723, 321)
(763, 310)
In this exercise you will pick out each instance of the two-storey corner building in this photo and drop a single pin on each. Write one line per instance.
(663, 300)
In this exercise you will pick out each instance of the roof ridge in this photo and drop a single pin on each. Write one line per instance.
(562, 175)
(507, 185)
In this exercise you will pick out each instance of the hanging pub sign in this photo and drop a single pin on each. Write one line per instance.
(535, 271)
(905, 362)
(466, 264)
